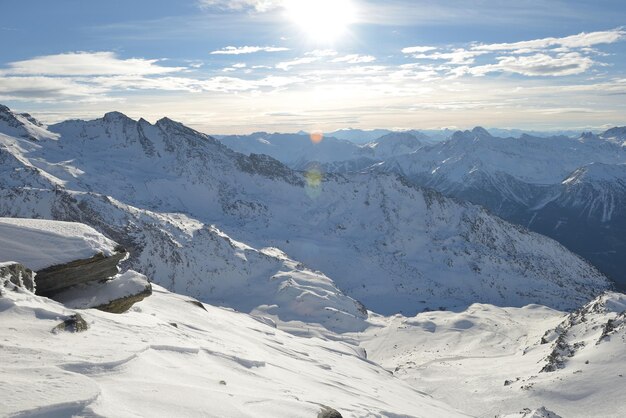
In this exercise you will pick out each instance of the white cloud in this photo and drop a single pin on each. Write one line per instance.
(322, 53)
(45, 88)
(355, 59)
(258, 5)
(287, 65)
(417, 49)
(459, 56)
(232, 50)
(86, 63)
(580, 40)
(537, 65)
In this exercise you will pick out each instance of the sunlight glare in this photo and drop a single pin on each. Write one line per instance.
(321, 20)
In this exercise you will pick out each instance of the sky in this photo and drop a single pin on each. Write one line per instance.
(240, 66)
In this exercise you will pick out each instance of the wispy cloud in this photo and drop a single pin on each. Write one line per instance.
(86, 63)
(581, 40)
(232, 50)
(418, 49)
(552, 56)
(535, 65)
(355, 59)
(258, 5)
(287, 65)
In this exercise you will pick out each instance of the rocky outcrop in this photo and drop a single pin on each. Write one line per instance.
(115, 295)
(327, 412)
(55, 279)
(74, 323)
(18, 275)
(122, 305)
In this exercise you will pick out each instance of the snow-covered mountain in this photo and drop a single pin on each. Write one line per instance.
(299, 150)
(393, 246)
(531, 181)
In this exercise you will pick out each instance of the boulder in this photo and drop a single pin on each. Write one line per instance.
(55, 279)
(116, 295)
(18, 275)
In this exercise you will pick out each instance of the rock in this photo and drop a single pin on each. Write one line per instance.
(55, 279)
(197, 303)
(74, 323)
(122, 305)
(116, 295)
(17, 274)
(327, 412)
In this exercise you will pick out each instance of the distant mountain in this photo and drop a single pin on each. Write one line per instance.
(298, 151)
(359, 136)
(248, 232)
(566, 188)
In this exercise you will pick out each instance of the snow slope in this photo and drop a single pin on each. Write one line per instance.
(378, 239)
(38, 243)
(168, 357)
(488, 360)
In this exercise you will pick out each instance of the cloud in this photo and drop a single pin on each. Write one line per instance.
(232, 50)
(287, 65)
(537, 65)
(417, 49)
(580, 40)
(355, 59)
(42, 88)
(86, 63)
(459, 56)
(258, 5)
(322, 53)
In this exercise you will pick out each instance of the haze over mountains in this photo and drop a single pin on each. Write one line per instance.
(369, 263)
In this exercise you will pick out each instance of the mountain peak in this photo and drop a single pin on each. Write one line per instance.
(115, 116)
(481, 132)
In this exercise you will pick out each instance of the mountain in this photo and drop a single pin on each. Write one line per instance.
(300, 152)
(359, 136)
(250, 233)
(567, 198)
(293, 148)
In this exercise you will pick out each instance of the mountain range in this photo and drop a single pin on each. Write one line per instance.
(567, 188)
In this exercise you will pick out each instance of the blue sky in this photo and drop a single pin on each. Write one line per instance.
(226, 66)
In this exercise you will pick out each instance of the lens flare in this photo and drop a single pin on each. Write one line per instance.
(314, 178)
(317, 137)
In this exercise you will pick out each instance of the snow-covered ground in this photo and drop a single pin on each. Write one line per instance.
(168, 357)
(488, 360)
(38, 243)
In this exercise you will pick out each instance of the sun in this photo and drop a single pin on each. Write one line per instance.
(321, 20)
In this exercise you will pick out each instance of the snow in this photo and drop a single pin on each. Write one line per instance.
(37, 243)
(93, 295)
(486, 360)
(168, 357)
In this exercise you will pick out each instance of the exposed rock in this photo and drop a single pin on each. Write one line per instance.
(98, 268)
(74, 323)
(197, 303)
(17, 274)
(119, 306)
(327, 412)
(116, 295)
